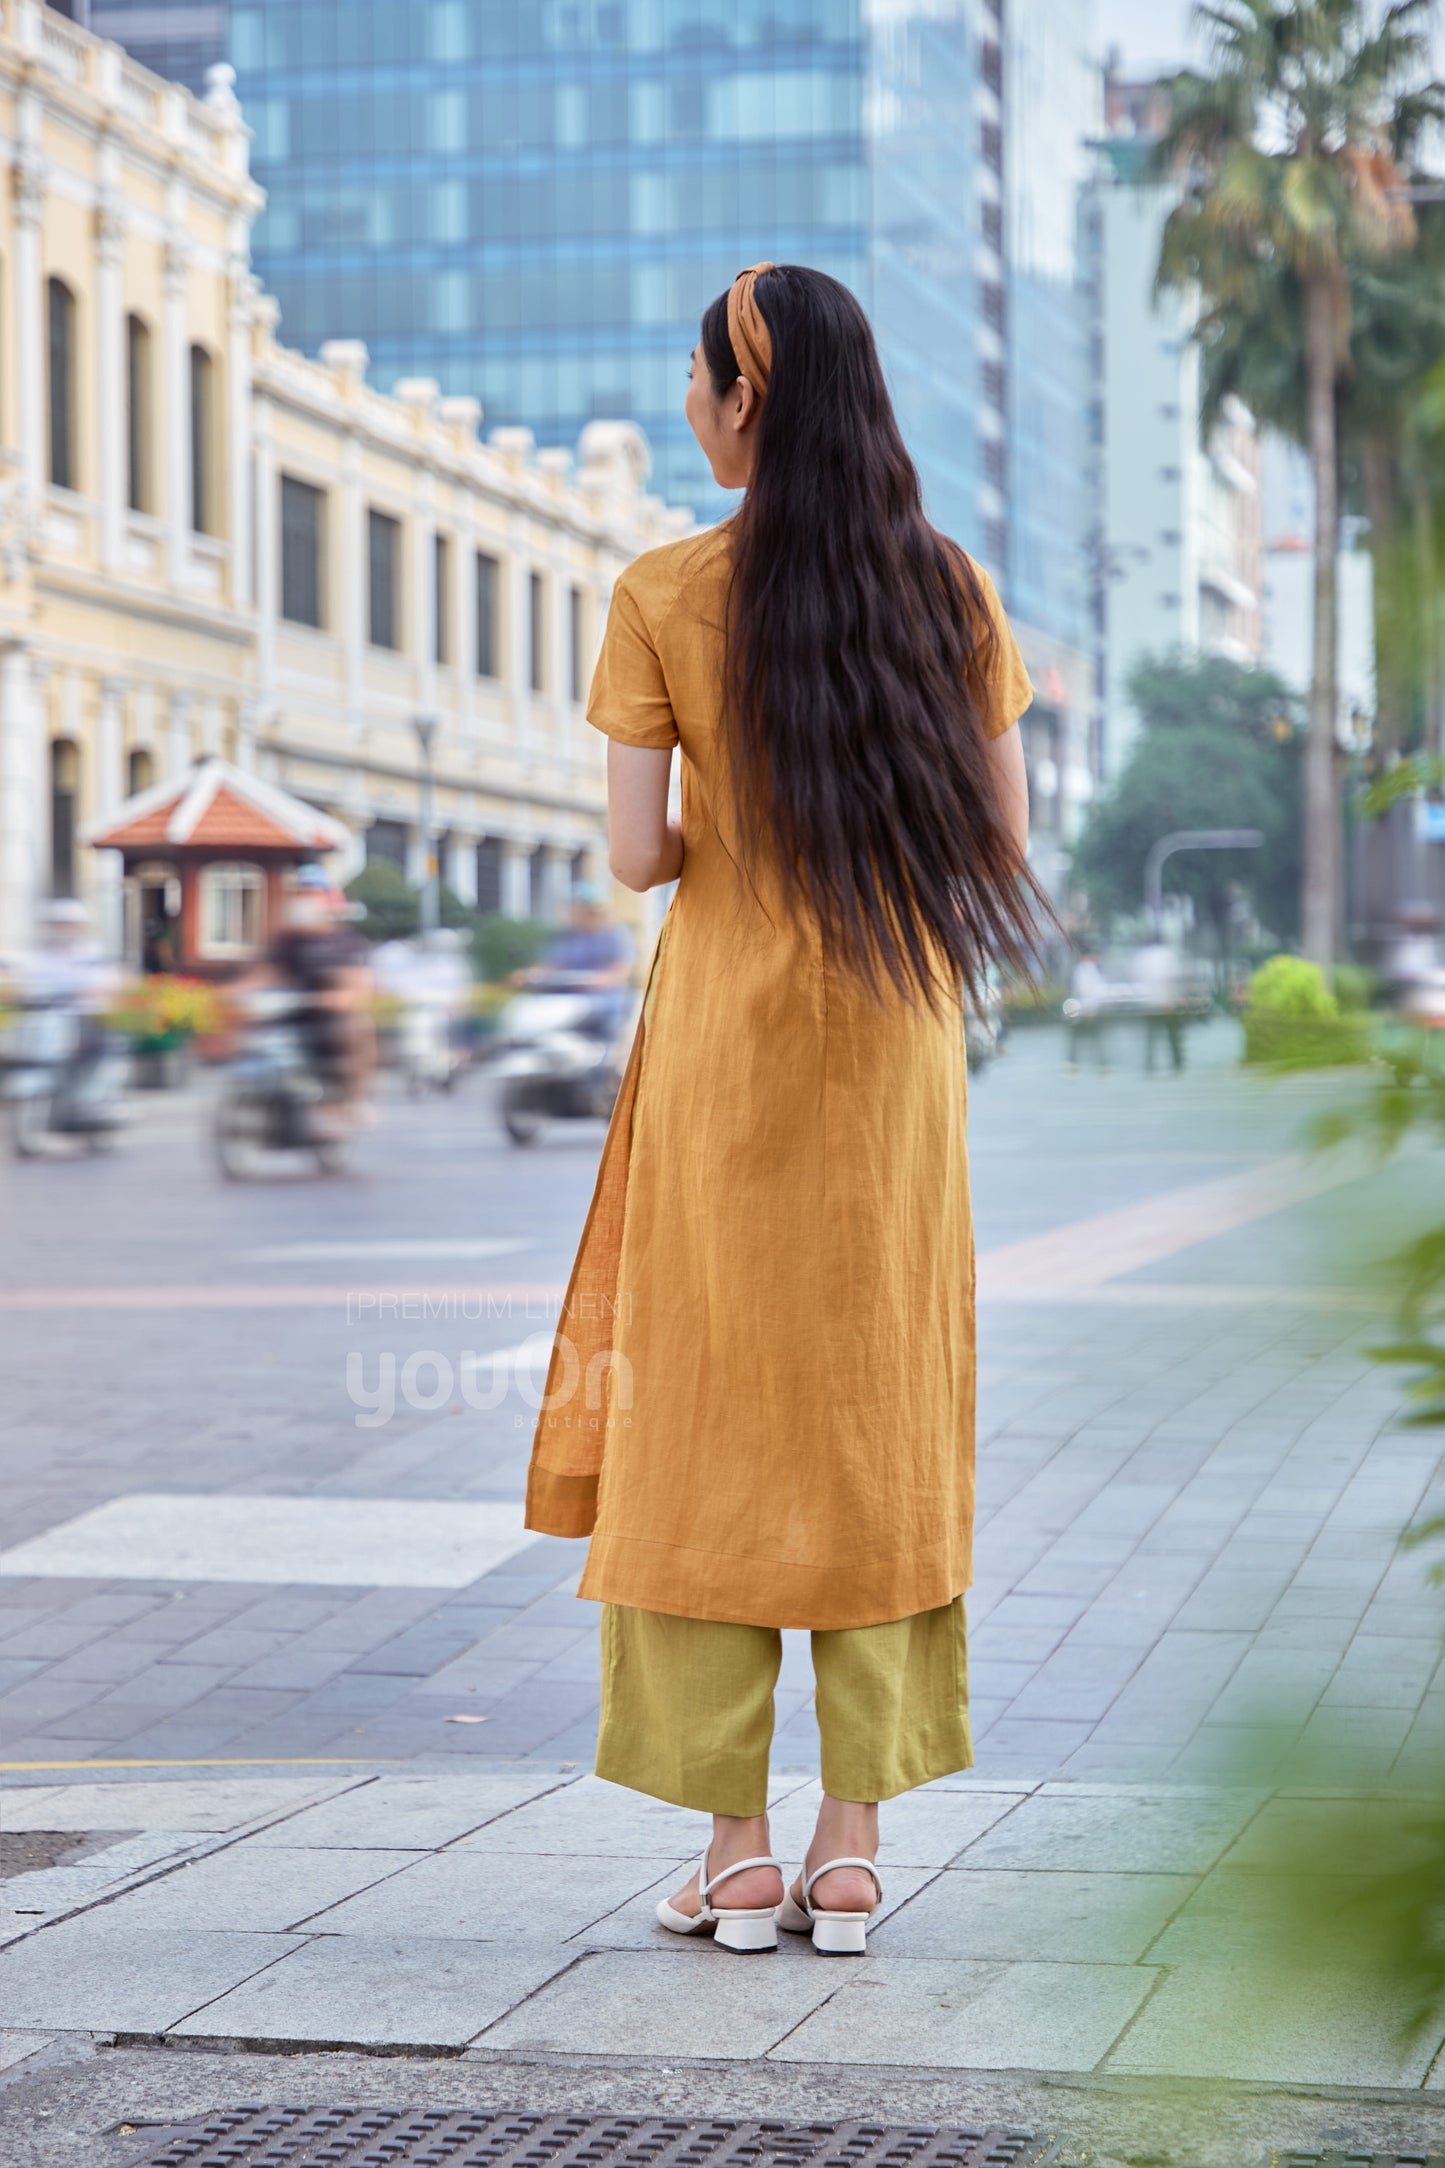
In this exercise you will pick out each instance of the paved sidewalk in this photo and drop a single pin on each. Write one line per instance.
(1068, 1928)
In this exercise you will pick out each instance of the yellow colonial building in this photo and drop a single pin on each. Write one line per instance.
(214, 546)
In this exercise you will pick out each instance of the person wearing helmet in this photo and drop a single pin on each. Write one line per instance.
(594, 948)
(320, 954)
(66, 968)
(592, 953)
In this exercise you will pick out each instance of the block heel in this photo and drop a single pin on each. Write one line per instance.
(740, 1931)
(835, 1934)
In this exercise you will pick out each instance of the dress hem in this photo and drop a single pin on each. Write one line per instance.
(682, 1583)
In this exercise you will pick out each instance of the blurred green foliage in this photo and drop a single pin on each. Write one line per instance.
(1289, 986)
(1354, 987)
(391, 904)
(503, 945)
(1217, 749)
(497, 945)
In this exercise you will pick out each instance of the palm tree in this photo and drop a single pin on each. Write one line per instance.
(1390, 438)
(1290, 156)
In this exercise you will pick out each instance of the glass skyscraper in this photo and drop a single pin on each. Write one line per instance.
(533, 200)
(178, 38)
(1054, 100)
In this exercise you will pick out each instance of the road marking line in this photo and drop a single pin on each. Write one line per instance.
(1196, 1295)
(313, 1253)
(245, 1761)
(1085, 1254)
(309, 1541)
(274, 1297)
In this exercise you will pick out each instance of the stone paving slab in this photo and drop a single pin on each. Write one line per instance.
(381, 1992)
(1073, 1918)
(598, 1817)
(972, 2016)
(95, 1975)
(491, 1896)
(920, 1829)
(622, 2003)
(409, 1813)
(177, 1803)
(1310, 2027)
(1122, 1831)
(249, 1887)
(17, 2047)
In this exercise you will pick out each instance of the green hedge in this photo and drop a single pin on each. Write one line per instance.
(1305, 1042)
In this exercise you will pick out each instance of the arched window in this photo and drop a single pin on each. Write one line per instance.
(202, 441)
(140, 771)
(64, 785)
(60, 329)
(139, 410)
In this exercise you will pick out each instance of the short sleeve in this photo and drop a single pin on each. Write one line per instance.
(1007, 688)
(629, 700)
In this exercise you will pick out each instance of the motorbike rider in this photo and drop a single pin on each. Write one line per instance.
(67, 970)
(594, 953)
(321, 956)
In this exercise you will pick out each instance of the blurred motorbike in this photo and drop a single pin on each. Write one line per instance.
(559, 1055)
(1424, 1003)
(428, 1053)
(63, 1075)
(276, 1097)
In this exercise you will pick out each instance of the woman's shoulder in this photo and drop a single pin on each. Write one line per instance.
(659, 579)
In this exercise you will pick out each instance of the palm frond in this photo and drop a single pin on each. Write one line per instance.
(1411, 115)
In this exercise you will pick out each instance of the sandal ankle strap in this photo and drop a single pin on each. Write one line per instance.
(827, 1868)
(706, 1886)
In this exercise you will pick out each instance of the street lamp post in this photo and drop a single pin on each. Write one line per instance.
(1188, 839)
(425, 727)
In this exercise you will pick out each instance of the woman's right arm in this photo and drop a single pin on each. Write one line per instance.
(644, 848)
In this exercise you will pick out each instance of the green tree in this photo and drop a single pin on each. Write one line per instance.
(1291, 157)
(392, 906)
(1394, 462)
(1215, 751)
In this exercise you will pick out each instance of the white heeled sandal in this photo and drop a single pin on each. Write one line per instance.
(836, 1934)
(741, 1931)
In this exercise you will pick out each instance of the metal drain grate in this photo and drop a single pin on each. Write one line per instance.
(1305, 2159)
(442, 2138)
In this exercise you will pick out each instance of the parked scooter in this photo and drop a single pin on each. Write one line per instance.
(559, 1054)
(276, 1098)
(63, 1075)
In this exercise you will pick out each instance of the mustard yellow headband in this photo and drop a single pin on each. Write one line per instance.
(749, 334)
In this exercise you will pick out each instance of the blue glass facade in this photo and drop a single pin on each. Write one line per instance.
(1054, 95)
(178, 38)
(533, 200)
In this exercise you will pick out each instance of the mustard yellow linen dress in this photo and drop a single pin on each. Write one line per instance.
(760, 1405)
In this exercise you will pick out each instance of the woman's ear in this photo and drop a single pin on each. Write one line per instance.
(746, 403)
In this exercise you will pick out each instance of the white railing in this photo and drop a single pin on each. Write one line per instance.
(205, 133)
(137, 95)
(63, 47)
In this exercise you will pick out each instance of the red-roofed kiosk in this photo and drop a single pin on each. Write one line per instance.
(209, 852)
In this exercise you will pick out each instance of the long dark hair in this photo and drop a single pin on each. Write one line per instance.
(859, 650)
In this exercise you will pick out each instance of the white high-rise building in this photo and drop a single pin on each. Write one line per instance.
(1179, 548)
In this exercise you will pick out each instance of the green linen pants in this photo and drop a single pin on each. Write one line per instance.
(687, 1706)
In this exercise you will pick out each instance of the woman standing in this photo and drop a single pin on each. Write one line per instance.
(775, 1281)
